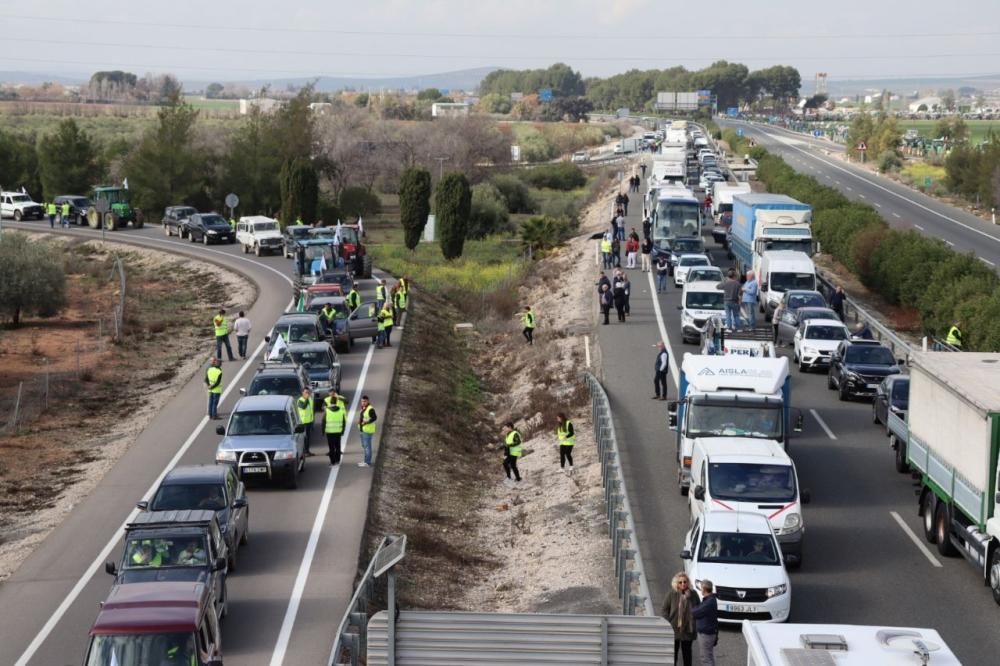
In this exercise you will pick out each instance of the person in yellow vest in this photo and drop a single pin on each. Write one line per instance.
(221, 326)
(65, 214)
(332, 397)
(326, 317)
(307, 414)
(380, 330)
(528, 319)
(512, 450)
(955, 335)
(213, 380)
(232, 223)
(380, 294)
(404, 284)
(146, 556)
(50, 210)
(334, 425)
(567, 438)
(387, 324)
(353, 299)
(366, 426)
(399, 303)
(606, 251)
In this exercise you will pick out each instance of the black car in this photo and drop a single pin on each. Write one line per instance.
(208, 228)
(278, 378)
(321, 364)
(893, 394)
(78, 207)
(857, 367)
(174, 217)
(340, 332)
(293, 234)
(212, 487)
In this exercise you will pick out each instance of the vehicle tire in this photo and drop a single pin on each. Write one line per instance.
(927, 507)
(17, 216)
(191, 237)
(994, 578)
(829, 381)
(111, 221)
(366, 269)
(942, 531)
(256, 249)
(166, 230)
(842, 393)
(232, 560)
(245, 248)
(899, 448)
(204, 239)
(803, 367)
(93, 218)
(293, 479)
(874, 414)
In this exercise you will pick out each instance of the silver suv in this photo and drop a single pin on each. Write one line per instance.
(265, 440)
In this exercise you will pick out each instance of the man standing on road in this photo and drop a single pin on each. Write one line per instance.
(307, 415)
(731, 298)
(387, 323)
(222, 335)
(662, 268)
(751, 293)
(213, 380)
(642, 167)
(606, 301)
(50, 210)
(619, 295)
(528, 319)
(512, 450)
(837, 301)
(647, 250)
(624, 203)
(566, 436)
(353, 299)
(660, 370)
(242, 328)
(620, 225)
(65, 214)
(606, 251)
(366, 426)
(380, 294)
(706, 620)
(334, 425)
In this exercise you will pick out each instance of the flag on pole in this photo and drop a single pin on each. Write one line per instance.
(23, 191)
(301, 307)
(278, 351)
(336, 234)
(125, 183)
(322, 263)
(361, 226)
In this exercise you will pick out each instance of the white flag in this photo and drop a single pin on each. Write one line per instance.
(23, 191)
(278, 351)
(125, 184)
(322, 263)
(336, 234)
(361, 227)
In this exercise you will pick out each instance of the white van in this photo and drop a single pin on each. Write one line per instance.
(781, 270)
(699, 302)
(259, 234)
(746, 475)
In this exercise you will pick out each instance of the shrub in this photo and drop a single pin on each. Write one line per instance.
(359, 202)
(888, 161)
(32, 279)
(414, 203)
(488, 214)
(560, 176)
(542, 233)
(452, 202)
(515, 193)
(902, 263)
(959, 278)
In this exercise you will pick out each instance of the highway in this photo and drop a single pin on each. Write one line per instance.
(295, 576)
(902, 207)
(865, 560)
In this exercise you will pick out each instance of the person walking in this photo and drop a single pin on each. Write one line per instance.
(751, 295)
(307, 415)
(606, 301)
(213, 380)
(221, 327)
(566, 436)
(353, 299)
(647, 249)
(647, 227)
(837, 301)
(601, 281)
(731, 298)
(660, 369)
(65, 214)
(642, 167)
(334, 425)
(955, 335)
(631, 250)
(620, 225)
(50, 210)
(606, 251)
(512, 450)
(706, 620)
(380, 330)
(678, 609)
(616, 252)
(619, 296)
(399, 304)
(387, 322)
(242, 326)
(662, 268)
(624, 203)
(628, 295)
(528, 319)
(366, 426)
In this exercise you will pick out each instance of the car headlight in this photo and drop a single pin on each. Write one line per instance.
(213, 233)
(793, 521)
(852, 376)
(686, 317)
(225, 455)
(285, 455)
(777, 590)
(809, 350)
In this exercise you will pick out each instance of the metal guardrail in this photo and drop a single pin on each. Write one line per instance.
(629, 570)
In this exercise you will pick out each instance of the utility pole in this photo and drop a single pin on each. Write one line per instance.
(440, 161)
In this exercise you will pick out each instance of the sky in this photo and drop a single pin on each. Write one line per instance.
(248, 39)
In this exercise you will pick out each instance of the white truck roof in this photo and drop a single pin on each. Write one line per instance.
(795, 644)
(741, 373)
(973, 376)
(788, 261)
(726, 191)
(257, 218)
(733, 449)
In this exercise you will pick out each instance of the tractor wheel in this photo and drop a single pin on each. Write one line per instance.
(111, 221)
(366, 270)
(139, 220)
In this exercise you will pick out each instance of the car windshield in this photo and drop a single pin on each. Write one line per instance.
(711, 420)
(295, 332)
(807, 313)
(869, 355)
(738, 548)
(142, 649)
(751, 482)
(788, 281)
(726, 208)
(170, 551)
(323, 232)
(179, 497)
(80, 203)
(20, 198)
(705, 274)
(704, 300)
(315, 359)
(824, 332)
(339, 308)
(265, 226)
(796, 301)
(348, 235)
(214, 221)
(688, 245)
(265, 385)
(694, 261)
(184, 212)
(259, 423)
(298, 232)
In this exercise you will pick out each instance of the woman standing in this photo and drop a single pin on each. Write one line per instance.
(677, 609)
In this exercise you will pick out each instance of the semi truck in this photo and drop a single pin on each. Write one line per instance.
(950, 439)
(626, 146)
(722, 207)
(729, 396)
(764, 222)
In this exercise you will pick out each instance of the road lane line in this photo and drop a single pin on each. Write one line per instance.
(878, 205)
(950, 244)
(285, 634)
(850, 189)
(913, 537)
(897, 215)
(836, 181)
(586, 348)
(986, 261)
(918, 227)
(663, 331)
(860, 195)
(822, 424)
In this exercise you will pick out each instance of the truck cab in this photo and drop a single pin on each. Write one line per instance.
(19, 206)
(780, 271)
(729, 396)
(718, 340)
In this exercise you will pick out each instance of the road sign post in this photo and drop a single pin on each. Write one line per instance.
(103, 207)
(862, 148)
(232, 201)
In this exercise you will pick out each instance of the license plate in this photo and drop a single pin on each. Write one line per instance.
(741, 608)
(871, 387)
(255, 470)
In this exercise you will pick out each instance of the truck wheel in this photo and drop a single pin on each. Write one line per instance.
(204, 239)
(942, 529)
(366, 267)
(900, 448)
(927, 511)
(256, 249)
(995, 575)
(166, 230)
(17, 216)
(245, 248)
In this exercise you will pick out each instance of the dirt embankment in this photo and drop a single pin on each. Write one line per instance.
(477, 543)
(101, 395)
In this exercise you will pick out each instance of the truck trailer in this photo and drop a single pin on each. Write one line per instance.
(765, 222)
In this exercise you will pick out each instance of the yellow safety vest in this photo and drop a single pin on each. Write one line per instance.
(380, 293)
(514, 443)
(368, 425)
(400, 300)
(306, 412)
(353, 299)
(387, 317)
(214, 377)
(565, 439)
(221, 326)
(954, 337)
(336, 420)
(529, 319)
(328, 400)
(606, 246)
(328, 313)
(65, 209)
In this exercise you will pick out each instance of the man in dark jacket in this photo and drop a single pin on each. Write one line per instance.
(731, 299)
(837, 302)
(660, 369)
(706, 623)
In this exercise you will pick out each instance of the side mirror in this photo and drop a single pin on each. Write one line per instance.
(142, 506)
(111, 568)
(685, 554)
(300, 428)
(243, 391)
(219, 564)
(900, 361)
(220, 430)
(699, 493)
(805, 496)
(240, 503)
(680, 307)
(267, 338)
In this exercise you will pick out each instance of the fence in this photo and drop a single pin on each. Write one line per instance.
(633, 588)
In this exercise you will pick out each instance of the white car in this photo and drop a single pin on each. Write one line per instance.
(699, 302)
(581, 156)
(684, 263)
(815, 340)
(711, 274)
(259, 234)
(738, 553)
(19, 206)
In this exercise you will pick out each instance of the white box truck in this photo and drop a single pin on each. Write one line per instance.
(780, 271)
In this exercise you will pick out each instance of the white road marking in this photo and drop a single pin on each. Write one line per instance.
(986, 261)
(663, 331)
(285, 634)
(918, 227)
(586, 348)
(836, 181)
(877, 205)
(913, 537)
(860, 195)
(850, 189)
(822, 424)
(950, 244)
(897, 215)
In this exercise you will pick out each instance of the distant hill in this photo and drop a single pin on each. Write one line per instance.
(466, 79)
(849, 87)
(36, 78)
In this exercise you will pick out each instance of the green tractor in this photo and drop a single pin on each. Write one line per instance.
(120, 211)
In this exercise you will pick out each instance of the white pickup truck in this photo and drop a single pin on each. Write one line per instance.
(20, 206)
(259, 234)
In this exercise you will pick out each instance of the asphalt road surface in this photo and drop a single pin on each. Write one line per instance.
(902, 207)
(295, 576)
(861, 562)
